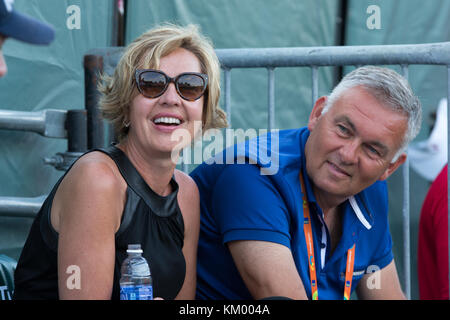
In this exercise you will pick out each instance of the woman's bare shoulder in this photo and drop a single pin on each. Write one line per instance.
(187, 185)
(188, 198)
(95, 170)
(92, 186)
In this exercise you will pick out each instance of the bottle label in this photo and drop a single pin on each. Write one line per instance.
(137, 292)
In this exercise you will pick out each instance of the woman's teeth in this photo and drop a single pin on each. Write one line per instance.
(166, 120)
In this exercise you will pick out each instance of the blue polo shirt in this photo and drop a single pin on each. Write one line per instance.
(244, 202)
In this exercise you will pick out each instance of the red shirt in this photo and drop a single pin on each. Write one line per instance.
(433, 242)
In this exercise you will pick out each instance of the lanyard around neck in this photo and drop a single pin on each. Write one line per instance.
(310, 248)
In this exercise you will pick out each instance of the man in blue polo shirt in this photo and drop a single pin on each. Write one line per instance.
(315, 225)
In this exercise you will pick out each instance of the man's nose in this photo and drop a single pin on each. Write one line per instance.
(349, 152)
(3, 67)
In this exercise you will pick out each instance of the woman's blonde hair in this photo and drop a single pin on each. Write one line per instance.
(118, 91)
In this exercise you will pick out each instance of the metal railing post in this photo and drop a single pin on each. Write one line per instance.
(406, 217)
(93, 67)
(271, 98)
(314, 84)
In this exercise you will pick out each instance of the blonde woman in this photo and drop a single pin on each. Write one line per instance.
(167, 80)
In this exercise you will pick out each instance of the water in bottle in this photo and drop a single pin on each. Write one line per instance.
(136, 279)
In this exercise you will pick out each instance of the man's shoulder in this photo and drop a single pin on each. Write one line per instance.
(270, 152)
(376, 194)
(211, 174)
(379, 188)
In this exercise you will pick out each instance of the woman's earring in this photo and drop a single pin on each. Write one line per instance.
(126, 124)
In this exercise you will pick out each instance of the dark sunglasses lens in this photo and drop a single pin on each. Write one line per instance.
(191, 86)
(152, 83)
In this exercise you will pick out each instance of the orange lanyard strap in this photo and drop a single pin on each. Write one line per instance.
(311, 257)
(349, 272)
(309, 242)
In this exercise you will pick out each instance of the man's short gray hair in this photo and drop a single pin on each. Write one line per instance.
(390, 89)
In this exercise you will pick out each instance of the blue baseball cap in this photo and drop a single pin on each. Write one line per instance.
(24, 28)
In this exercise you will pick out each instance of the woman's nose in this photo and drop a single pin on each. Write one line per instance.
(170, 96)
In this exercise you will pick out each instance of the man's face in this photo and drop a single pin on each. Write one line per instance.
(3, 68)
(352, 145)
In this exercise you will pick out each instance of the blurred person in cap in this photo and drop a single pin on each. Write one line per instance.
(24, 28)
(21, 27)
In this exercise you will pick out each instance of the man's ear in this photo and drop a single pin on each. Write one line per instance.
(316, 112)
(393, 166)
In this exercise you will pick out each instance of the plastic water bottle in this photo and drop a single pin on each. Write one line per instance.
(136, 279)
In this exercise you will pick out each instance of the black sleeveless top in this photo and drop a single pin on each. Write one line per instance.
(148, 219)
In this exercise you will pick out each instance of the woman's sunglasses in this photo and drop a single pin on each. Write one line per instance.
(153, 83)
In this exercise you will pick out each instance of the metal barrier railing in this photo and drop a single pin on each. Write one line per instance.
(62, 124)
(49, 123)
(271, 58)
(21, 207)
